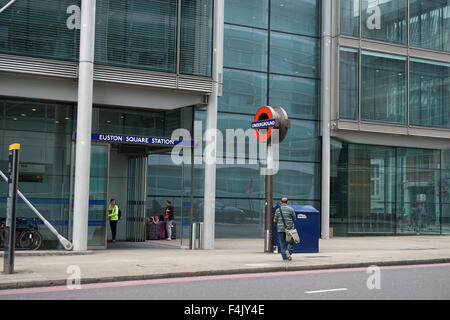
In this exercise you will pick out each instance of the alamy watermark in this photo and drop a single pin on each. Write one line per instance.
(236, 147)
(74, 280)
(374, 280)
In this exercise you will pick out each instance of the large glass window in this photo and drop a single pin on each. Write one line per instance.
(245, 48)
(294, 55)
(385, 20)
(383, 88)
(196, 37)
(386, 190)
(418, 196)
(45, 29)
(349, 11)
(348, 84)
(430, 24)
(298, 96)
(293, 16)
(137, 34)
(44, 132)
(252, 13)
(429, 93)
(243, 91)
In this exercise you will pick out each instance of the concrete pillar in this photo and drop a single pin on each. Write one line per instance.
(211, 127)
(326, 115)
(84, 123)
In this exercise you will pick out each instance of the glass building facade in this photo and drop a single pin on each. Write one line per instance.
(398, 79)
(271, 57)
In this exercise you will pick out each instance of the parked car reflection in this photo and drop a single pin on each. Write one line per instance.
(224, 213)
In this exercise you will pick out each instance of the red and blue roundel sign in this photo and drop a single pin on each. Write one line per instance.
(264, 119)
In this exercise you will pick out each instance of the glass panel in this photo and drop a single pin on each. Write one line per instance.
(294, 55)
(445, 192)
(348, 84)
(137, 197)
(430, 24)
(430, 94)
(298, 96)
(44, 163)
(196, 37)
(251, 13)
(385, 20)
(371, 185)
(124, 37)
(243, 91)
(383, 88)
(301, 17)
(98, 200)
(418, 181)
(349, 17)
(376, 189)
(133, 122)
(46, 28)
(245, 48)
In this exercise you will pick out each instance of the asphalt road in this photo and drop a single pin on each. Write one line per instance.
(421, 282)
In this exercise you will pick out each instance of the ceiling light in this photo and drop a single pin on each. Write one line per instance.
(23, 114)
(34, 109)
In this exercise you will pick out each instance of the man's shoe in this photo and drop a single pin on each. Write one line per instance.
(288, 255)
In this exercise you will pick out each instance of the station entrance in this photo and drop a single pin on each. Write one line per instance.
(120, 172)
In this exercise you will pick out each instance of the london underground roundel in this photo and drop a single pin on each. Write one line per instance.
(269, 118)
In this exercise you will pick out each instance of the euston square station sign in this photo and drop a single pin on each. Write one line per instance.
(138, 140)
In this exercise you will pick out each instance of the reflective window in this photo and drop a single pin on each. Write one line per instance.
(252, 13)
(245, 48)
(124, 37)
(44, 172)
(349, 15)
(348, 84)
(430, 24)
(429, 93)
(196, 37)
(298, 96)
(385, 20)
(394, 190)
(294, 55)
(43, 28)
(383, 88)
(243, 91)
(301, 17)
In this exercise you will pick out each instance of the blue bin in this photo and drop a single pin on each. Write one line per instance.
(307, 225)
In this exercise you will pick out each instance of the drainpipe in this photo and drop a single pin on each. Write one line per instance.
(326, 114)
(211, 130)
(84, 126)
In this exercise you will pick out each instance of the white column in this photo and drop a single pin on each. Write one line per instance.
(326, 114)
(211, 127)
(84, 122)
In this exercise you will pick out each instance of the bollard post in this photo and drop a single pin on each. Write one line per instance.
(10, 234)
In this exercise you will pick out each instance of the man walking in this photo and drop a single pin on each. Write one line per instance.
(284, 219)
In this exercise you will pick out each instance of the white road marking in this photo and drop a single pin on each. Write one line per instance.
(329, 290)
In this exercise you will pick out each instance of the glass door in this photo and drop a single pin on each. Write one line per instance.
(137, 196)
(98, 197)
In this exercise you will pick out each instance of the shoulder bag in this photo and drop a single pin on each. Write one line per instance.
(292, 234)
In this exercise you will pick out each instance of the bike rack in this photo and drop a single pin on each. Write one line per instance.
(65, 243)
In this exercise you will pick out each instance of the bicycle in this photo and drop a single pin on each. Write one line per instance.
(28, 236)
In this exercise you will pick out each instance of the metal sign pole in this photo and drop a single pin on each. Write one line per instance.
(10, 235)
(269, 200)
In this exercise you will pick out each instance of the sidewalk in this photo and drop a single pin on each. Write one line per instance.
(164, 259)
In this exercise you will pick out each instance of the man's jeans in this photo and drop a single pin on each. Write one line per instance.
(168, 229)
(284, 245)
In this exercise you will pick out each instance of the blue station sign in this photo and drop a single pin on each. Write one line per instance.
(263, 124)
(140, 140)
